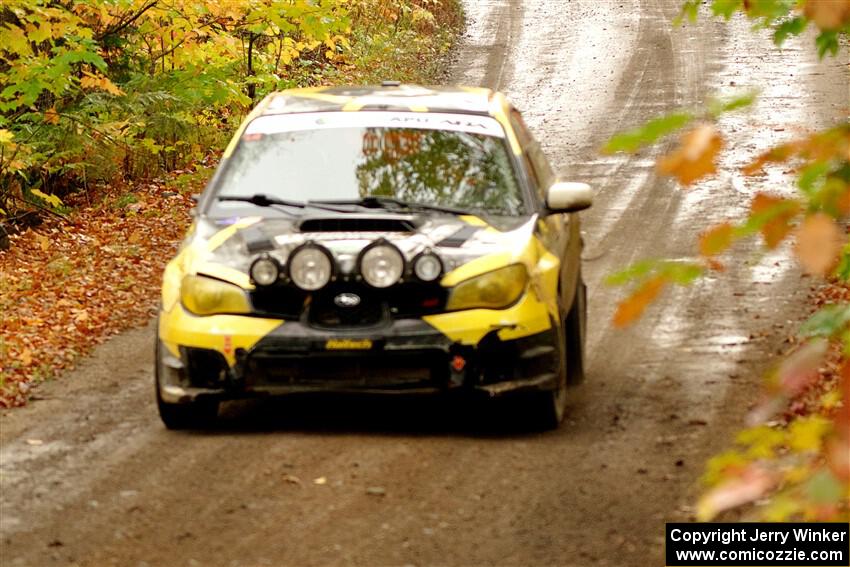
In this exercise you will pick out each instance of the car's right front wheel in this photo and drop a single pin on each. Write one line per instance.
(196, 414)
(545, 410)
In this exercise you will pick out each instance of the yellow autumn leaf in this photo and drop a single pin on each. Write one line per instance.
(51, 116)
(43, 242)
(14, 40)
(53, 200)
(807, 433)
(26, 357)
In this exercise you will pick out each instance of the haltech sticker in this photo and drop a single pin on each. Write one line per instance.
(348, 344)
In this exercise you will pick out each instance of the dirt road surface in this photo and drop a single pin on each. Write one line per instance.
(90, 477)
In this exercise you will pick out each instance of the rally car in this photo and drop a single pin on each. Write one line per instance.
(395, 239)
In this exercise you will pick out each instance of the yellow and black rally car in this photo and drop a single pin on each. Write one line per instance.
(387, 239)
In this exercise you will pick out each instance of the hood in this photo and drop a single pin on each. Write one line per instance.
(227, 247)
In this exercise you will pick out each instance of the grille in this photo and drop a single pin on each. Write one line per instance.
(324, 312)
(377, 306)
(206, 368)
(364, 370)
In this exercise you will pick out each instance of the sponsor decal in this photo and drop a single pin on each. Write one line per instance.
(348, 344)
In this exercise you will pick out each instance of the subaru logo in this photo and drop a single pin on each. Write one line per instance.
(347, 300)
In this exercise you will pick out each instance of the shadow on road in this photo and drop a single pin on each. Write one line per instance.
(391, 415)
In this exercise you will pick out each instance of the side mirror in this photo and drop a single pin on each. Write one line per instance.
(568, 197)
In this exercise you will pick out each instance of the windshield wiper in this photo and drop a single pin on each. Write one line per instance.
(263, 200)
(391, 203)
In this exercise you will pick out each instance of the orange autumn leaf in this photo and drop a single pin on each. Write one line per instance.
(716, 240)
(777, 228)
(778, 154)
(99, 82)
(819, 147)
(695, 157)
(843, 201)
(818, 243)
(633, 306)
(51, 116)
(828, 14)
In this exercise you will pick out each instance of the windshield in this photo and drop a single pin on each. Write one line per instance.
(453, 168)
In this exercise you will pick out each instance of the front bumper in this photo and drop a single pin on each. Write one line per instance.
(408, 356)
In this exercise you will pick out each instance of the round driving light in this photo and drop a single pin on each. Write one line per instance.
(264, 271)
(427, 267)
(310, 267)
(381, 265)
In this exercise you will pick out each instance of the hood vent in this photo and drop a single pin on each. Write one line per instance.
(359, 223)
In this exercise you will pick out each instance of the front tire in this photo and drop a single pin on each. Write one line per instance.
(575, 326)
(545, 410)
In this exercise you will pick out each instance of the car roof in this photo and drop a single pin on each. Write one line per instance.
(392, 96)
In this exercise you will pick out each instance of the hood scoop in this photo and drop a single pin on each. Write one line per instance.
(359, 223)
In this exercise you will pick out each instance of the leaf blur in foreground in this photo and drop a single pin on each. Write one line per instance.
(793, 461)
(819, 242)
(695, 157)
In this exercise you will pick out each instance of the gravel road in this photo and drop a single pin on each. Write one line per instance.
(90, 477)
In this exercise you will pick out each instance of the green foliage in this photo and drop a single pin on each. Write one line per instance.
(718, 107)
(681, 273)
(829, 321)
(785, 17)
(106, 90)
(649, 133)
(790, 27)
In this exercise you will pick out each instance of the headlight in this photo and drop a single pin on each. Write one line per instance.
(494, 290)
(381, 265)
(265, 270)
(207, 296)
(310, 267)
(427, 267)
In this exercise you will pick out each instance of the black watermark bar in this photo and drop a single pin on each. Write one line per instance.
(762, 544)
